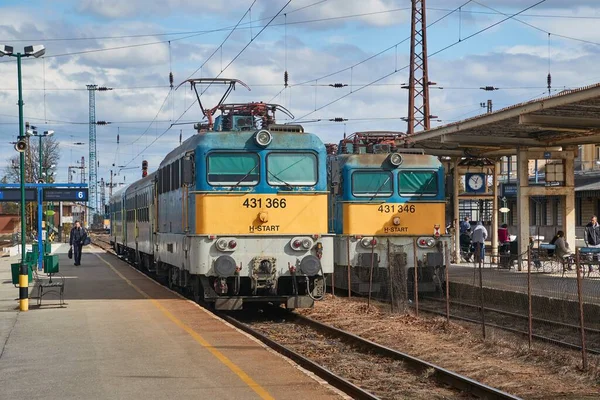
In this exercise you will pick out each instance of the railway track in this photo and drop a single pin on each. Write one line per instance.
(554, 332)
(398, 375)
(316, 347)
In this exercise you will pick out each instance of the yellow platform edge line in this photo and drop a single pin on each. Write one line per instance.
(259, 390)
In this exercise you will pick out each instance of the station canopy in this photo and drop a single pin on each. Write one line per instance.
(569, 118)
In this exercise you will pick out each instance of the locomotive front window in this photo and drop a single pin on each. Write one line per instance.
(228, 169)
(298, 169)
(418, 183)
(372, 184)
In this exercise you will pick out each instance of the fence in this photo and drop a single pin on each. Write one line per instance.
(550, 300)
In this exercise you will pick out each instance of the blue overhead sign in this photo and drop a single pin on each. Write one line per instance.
(15, 195)
(59, 194)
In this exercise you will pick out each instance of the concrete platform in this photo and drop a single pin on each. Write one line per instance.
(123, 336)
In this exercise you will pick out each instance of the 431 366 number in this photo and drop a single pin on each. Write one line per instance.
(392, 208)
(253, 202)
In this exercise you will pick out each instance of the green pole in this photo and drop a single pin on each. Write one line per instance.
(23, 275)
(40, 150)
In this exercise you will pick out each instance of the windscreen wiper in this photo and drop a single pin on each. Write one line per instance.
(243, 178)
(380, 187)
(287, 186)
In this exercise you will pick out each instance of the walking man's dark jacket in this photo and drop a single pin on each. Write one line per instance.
(592, 234)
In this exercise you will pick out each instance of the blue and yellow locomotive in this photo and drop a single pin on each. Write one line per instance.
(385, 203)
(235, 214)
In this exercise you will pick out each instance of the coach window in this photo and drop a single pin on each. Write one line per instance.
(298, 169)
(372, 184)
(418, 183)
(228, 169)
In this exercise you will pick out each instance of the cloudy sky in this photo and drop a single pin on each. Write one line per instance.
(132, 46)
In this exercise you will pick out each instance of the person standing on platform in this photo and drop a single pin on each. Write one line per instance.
(591, 236)
(479, 236)
(592, 233)
(76, 240)
(465, 225)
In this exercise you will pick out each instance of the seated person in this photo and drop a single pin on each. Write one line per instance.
(503, 236)
(466, 245)
(562, 247)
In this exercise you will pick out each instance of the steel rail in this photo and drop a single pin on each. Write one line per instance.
(546, 339)
(457, 381)
(512, 314)
(333, 379)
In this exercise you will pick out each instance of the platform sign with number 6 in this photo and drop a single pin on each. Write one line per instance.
(60, 194)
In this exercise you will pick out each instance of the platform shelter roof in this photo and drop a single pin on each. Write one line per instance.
(569, 118)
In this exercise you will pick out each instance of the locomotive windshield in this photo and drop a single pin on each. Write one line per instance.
(298, 169)
(418, 183)
(372, 184)
(227, 169)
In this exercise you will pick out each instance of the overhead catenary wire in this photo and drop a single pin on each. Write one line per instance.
(170, 93)
(351, 67)
(227, 66)
(431, 55)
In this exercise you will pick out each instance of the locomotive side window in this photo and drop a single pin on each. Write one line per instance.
(372, 184)
(418, 183)
(298, 169)
(228, 169)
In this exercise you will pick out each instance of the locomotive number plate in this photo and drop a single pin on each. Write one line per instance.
(397, 208)
(253, 202)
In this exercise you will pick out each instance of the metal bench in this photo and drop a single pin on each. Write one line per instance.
(45, 287)
(589, 256)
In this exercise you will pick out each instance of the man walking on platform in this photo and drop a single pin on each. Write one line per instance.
(76, 240)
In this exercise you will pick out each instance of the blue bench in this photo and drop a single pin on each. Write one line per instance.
(589, 250)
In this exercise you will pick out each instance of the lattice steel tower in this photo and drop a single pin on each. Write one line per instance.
(93, 166)
(93, 156)
(418, 85)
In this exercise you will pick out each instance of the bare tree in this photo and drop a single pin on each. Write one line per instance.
(50, 156)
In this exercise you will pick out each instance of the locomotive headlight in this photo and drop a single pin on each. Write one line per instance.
(395, 159)
(368, 242)
(425, 242)
(222, 244)
(263, 138)
(301, 243)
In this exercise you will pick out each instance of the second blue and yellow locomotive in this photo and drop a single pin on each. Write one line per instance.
(386, 203)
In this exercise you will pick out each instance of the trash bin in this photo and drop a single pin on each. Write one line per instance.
(51, 264)
(15, 272)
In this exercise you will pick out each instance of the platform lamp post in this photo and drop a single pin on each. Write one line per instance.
(21, 146)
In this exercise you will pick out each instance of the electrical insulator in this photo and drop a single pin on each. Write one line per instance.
(102, 123)
(104, 88)
(549, 80)
(488, 88)
(338, 85)
(117, 139)
(338, 119)
(171, 79)
(285, 79)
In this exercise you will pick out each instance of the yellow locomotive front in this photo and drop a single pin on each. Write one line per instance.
(258, 218)
(388, 212)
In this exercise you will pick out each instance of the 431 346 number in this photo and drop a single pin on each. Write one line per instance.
(253, 202)
(392, 208)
